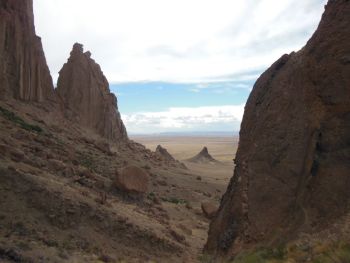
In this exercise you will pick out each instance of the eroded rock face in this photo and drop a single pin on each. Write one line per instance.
(87, 98)
(292, 171)
(24, 73)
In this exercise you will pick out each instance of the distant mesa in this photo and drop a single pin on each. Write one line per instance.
(86, 96)
(164, 154)
(203, 157)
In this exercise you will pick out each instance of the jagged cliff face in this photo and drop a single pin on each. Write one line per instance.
(23, 70)
(87, 98)
(292, 170)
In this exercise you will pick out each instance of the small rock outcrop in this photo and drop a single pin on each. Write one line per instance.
(24, 73)
(87, 98)
(164, 154)
(203, 157)
(132, 179)
(293, 161)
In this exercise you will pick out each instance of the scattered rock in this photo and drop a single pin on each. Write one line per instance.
(56, 165)
(17, 155)
(178, 237)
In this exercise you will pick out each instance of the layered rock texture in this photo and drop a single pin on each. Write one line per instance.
(24, 73)
(293, 161)
(87, 98)
(203, 157)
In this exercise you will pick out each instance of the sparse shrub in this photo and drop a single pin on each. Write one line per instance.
(174, 200)
(87, 161)
(151, 196)
(15, 119)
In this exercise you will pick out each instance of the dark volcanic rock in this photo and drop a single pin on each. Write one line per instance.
(293, 161)
(87, 98)
(23, 70)
(203, 157)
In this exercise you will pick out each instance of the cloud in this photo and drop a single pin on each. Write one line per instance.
(210, 118)
(176, 41)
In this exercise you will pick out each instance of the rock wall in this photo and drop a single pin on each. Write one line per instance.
(292, 171)
(24, 73)
(87, 98)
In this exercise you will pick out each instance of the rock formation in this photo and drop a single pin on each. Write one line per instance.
(163, 153)
(87, 98)
(23, 70)
(203, 157)
(293, 161)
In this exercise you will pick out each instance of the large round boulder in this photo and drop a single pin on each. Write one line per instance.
(209, 209)
(132, 179)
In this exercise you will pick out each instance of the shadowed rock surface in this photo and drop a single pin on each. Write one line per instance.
(24, 73)
(203, 157)
(87, 98)
(293, 161)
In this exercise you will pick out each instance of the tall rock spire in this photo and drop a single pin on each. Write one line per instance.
(24, 73)
(86, 95)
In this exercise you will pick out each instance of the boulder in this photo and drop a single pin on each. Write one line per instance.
(132, 179)
(209, 209)
(87, 99)
(292, 165)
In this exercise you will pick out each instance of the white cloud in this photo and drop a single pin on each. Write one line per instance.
(177, 41)
(211, 118)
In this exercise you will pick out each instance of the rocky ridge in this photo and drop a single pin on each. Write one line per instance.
(292, 165)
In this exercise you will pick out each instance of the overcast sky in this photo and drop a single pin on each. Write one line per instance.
(177, 41)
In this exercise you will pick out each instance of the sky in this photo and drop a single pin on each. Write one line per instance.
(177, 65)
